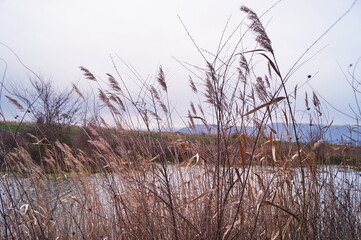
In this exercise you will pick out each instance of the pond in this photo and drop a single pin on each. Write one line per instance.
(73, 201)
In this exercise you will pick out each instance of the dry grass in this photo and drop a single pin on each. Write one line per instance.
(148, 200)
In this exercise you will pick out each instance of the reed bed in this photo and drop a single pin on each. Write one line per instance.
(173, 201)
(142, 180)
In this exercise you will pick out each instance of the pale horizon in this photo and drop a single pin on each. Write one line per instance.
(54, 38)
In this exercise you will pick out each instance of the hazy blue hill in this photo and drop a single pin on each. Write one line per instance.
(202, 129)
(334, 134)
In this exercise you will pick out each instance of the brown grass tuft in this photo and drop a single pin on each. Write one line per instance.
(15, 102)
(88, 74)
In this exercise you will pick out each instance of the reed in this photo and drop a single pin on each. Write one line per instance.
(143, 180)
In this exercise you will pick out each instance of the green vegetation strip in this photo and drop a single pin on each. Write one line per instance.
(11, 127)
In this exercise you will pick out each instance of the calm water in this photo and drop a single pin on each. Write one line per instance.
(17, 192)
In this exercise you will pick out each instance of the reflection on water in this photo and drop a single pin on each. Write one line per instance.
(68, 199)
(18, 190)
(73, 201)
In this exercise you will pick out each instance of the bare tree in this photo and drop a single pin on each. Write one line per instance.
(49, 105)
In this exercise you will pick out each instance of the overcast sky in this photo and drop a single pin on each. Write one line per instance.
(53, 38)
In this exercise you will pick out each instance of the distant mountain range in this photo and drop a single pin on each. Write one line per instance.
(337, 134)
